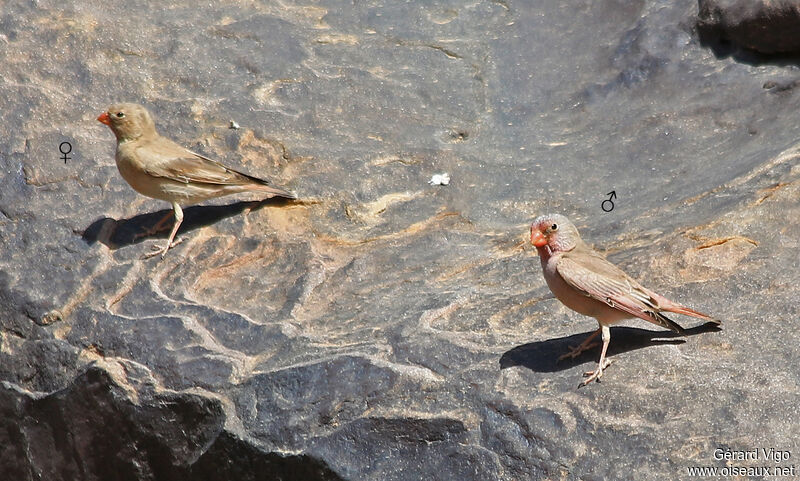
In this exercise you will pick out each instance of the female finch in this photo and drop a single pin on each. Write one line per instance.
(159, 168)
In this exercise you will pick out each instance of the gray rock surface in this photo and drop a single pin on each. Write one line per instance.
(382, 328)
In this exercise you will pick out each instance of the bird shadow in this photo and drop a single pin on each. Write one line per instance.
(543, 356)
(124, 232)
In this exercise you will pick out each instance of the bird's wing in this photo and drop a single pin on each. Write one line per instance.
(595, 277)
(163, 158)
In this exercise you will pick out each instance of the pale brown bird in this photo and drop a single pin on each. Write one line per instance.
(159, 168)
(586, 282)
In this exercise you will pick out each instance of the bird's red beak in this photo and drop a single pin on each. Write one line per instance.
(537, 238)
(104, 118)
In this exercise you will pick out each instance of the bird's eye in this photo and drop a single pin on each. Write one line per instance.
(554, 227)
(120, 115)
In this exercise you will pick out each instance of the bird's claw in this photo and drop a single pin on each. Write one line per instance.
(149, 232)
(575, 351)
(159, 226)
(156, 250)
(596, 374)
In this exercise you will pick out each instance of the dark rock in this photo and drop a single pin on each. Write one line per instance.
(380, 328)
(233, 458)
(769, 27)
(98, 428)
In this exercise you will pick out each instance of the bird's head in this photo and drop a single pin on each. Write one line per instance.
(553, 233)
(128, 121)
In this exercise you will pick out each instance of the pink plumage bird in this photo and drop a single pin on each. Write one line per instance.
(586, 282)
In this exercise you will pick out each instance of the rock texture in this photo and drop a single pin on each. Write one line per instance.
(382, 328)
(766, 26)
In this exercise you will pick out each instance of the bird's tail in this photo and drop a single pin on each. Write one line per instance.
(679, 309)
(665, 321)
(665, 304)
(274, 191)
(254, 184)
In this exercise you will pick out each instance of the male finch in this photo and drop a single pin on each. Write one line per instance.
(586, 282)
(159, 168)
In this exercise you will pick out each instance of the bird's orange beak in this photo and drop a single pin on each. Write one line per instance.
(537, 238)
(104, 118)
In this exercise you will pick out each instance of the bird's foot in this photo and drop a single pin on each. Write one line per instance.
(148, 232)
(575, 351)
(159, 226)
(597, 373)
(162, 250)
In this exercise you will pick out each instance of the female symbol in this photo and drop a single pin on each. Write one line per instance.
(61, 149)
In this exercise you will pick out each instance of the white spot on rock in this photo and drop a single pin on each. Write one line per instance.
(440, 179)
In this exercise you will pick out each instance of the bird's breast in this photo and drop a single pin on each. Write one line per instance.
(132, 170)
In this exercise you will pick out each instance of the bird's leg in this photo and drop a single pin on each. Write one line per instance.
(604, 363)
(575, 351)
(158, 227)
(170, 243)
